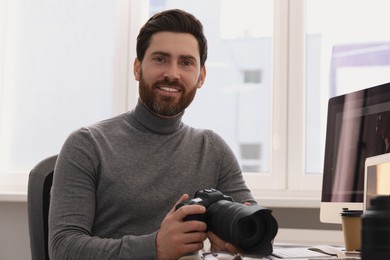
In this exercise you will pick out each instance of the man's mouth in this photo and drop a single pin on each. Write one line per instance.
(168, 89)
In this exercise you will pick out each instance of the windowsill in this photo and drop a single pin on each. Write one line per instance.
(19, 194)
(13, 186)
(289, 202)
(288, 198)
(13, 194)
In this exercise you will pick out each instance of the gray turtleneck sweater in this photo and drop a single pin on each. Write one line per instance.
(116, 180)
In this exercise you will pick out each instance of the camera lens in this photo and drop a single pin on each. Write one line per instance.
(251, 228)
(248, 227)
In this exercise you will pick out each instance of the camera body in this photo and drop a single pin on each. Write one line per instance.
(251, 229)
(204, 198)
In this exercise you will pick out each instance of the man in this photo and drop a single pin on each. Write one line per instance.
(117, 182)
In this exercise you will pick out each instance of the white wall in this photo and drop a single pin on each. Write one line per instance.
(14, 236)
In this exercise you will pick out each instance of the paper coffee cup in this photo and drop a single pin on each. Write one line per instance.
(352, 225)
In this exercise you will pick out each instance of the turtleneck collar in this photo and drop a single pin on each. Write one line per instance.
(154, 123)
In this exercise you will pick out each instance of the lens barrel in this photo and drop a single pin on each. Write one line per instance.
(250, 228)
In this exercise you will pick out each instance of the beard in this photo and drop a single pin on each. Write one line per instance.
(166, 106)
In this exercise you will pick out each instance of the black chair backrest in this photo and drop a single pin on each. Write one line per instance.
(38, 202)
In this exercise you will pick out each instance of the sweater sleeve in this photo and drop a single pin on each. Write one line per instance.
(72, 209)
(231, 181)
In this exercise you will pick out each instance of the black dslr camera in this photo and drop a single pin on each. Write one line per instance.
(251, 229)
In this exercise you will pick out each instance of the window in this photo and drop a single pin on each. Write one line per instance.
(272, 66)
(343, 55)
(245, 19)
(57, 67)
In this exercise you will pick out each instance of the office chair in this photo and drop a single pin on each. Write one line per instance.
(38, 202)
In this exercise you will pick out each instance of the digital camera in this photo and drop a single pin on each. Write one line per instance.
(251, 229)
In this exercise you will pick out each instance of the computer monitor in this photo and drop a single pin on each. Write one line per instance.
(358, 127)
(376, 178)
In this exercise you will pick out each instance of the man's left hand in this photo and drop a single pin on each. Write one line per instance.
(217, 244)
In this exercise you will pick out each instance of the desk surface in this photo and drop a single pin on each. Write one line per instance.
(335, 250)
(329, 252)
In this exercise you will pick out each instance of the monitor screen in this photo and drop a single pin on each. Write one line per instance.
(358, 127)
(377, 178)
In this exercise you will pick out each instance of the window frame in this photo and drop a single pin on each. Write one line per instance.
(298, 179)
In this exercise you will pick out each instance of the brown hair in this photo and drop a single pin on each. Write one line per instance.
(173, 20)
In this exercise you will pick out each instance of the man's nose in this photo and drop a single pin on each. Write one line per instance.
(172, 72)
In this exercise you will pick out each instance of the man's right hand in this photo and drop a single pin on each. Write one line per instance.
(176, 237)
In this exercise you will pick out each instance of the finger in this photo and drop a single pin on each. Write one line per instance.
(217, 244)
(194, 237)
(192, 247)
(231, 248)
(182, 198)
(187, 210)
(194, 226)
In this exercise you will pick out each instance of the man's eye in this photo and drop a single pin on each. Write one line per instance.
(187, 63)
(159, 59)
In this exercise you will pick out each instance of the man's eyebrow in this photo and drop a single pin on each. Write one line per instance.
(161, 53)
(187, 57)
(166, 54)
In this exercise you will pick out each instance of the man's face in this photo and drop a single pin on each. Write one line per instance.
(170, 73)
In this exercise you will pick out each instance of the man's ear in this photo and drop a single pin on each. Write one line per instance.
(137, 69)
(202, 77)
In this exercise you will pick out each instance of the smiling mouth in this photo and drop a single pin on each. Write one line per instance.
(168, 89)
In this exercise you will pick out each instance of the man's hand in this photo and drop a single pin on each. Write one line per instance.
(217, 244)
(177, 238)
